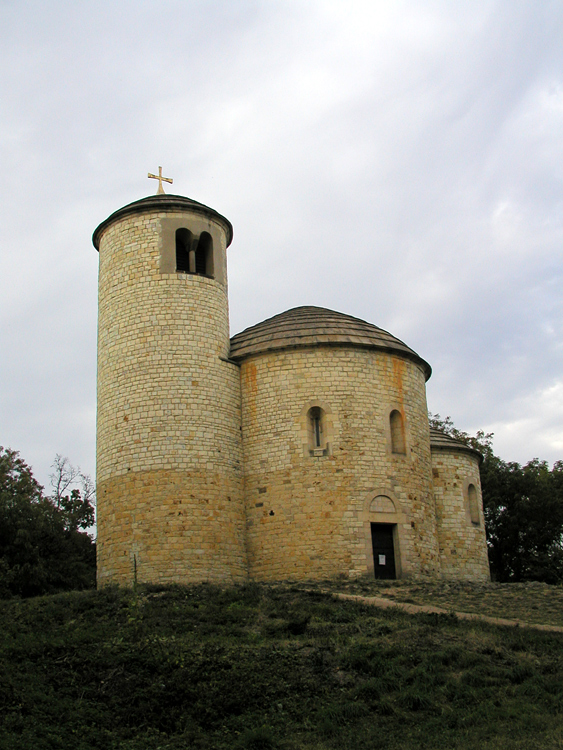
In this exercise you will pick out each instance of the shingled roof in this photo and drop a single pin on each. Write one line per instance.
(440, 441)
(306, 327)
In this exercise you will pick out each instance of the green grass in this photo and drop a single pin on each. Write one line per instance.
(263, 667)
(531, 602)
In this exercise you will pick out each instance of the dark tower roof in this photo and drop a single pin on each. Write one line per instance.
(163, 203)
(440, 441)
(317, 326)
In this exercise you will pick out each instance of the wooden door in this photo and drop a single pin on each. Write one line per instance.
(383, 550)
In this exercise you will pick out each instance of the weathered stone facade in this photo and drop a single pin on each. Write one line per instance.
(459, 510)
(307, 515)
(169, 472)
(277, 455)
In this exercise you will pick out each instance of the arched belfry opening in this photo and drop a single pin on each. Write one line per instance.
(183, 246)
(204, 255)
(194, 254)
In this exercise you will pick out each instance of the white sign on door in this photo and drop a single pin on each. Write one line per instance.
(382, 559)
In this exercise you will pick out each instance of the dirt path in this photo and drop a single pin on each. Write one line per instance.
(413, 609)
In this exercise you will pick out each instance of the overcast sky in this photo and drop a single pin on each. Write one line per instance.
(400, 161)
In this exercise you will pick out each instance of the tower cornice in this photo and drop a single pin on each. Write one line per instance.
(163, 203)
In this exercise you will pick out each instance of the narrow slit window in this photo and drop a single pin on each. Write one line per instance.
(316, 430)
(473, 504)
(397, 428)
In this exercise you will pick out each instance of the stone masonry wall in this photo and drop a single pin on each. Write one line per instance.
(463, 546)
(308, 516)
(168, 438)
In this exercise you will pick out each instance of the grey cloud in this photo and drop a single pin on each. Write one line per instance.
(399, 162)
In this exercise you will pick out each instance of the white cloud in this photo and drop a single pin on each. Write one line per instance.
(533, 428)
(398, 161)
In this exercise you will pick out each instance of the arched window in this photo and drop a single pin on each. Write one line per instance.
(316, 426)
(183, 246)
(316, 431)
(397, 428)
(473, 504)
(193, 254)
(204, 255)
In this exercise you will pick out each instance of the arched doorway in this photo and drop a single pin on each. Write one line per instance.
(382, 522)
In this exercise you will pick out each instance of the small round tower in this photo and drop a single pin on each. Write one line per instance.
(460, 520)
(168, 425)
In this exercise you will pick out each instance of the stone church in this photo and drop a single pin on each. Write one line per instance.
(298, 449)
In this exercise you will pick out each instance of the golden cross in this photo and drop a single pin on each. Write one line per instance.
(160, 179)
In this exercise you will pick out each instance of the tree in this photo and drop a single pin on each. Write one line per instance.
(76, 504)
(523, 508)
(42, 549)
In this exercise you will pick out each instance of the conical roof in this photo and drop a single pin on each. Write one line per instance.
(316, 326)
(441, 441)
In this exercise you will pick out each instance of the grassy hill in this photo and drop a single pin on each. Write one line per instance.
(268, 667)
(531, 602)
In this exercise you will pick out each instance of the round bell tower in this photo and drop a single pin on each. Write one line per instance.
(169, 478)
